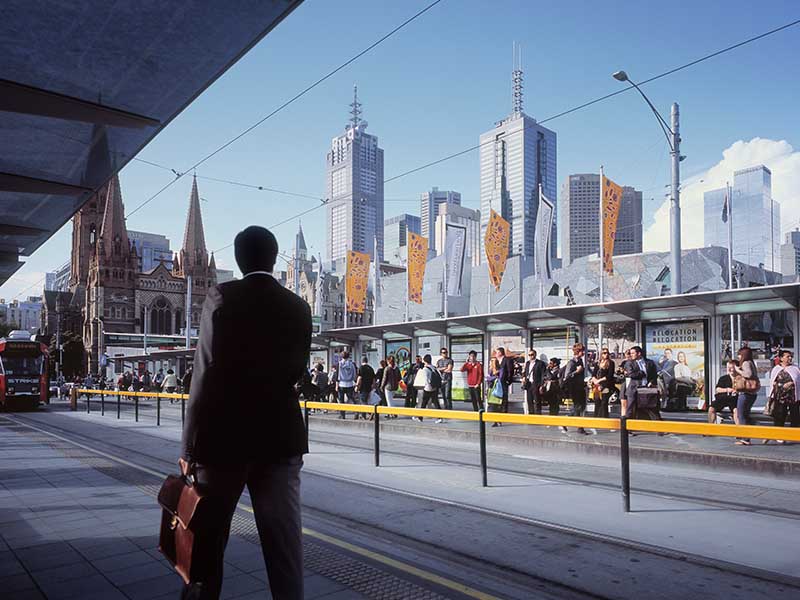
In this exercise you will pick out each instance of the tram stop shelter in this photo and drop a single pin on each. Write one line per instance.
(705, 326)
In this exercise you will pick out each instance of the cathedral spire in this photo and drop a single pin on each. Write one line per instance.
(113, 232)
(194, 240)
(300, 248)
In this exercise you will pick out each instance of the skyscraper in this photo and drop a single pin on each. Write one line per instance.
(355, 190)
(580, 218)
(756, 219)
(516, 156)
(152, 248)
(395, 237)
(790, 254)
(429, 210)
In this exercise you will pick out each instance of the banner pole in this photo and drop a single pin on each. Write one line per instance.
(602, 255)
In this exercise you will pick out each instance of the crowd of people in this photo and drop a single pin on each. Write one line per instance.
(167, 382)
(634, 382)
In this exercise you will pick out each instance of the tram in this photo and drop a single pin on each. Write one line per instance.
(24, 378)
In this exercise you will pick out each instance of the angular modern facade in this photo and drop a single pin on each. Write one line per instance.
(429, 204)
(756, 219)
(466, 217)
(580, 218)
(516, 156)
(395, 237)
(354, 183)
(152, 248)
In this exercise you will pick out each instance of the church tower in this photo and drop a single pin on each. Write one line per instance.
(193, 260)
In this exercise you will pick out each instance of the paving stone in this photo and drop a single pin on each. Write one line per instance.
(123, 561)
(135, 573)
(16, 583)
(64, 572)
(153, 588)
(235, 586)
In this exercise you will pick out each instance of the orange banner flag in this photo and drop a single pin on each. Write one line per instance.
(496, 243)
(356, 281)
(612, 199)
(417, 257)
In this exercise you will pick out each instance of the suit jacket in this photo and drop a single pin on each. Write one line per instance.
(537, 375)
(255, 338)
(636, 374)
(507, 369)
(574, 382)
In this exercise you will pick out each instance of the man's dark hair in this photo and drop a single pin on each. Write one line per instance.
(427, 359)
(501, 350)
(345, 354)
(473, 353)
(637, 349)
(365, 359)
(255, 249)
(442, 350)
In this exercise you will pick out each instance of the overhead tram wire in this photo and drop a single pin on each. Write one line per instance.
(601, 98)
(551, 118)
(288, 102)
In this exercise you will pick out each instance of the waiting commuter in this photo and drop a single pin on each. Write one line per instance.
(725, 396)
(532, 378)
(412, 391)
(390, 382)
(186, 382)
(505, 374)
(445, 367)
(551, 386)
(379, 380)
(746, 371)
(785, 394)
(429, 380)
(170, 384)
(364, 381)
(640, 372)
(474, 371)
(245, 428)
(319, 378)
(346, 381)
(574, 383)
(88, 384)
(159, 379)
(603, 382)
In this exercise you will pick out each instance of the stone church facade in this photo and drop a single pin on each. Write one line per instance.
(116, 296)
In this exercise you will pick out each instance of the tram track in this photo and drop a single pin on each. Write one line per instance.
(152, 461)
(548, 475)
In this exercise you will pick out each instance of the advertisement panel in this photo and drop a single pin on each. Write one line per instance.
(679, 350)
(401, 350)
(460, 346)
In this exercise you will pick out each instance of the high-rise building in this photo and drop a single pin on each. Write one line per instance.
(790, 254)
(429, 210)
(22, 314)
(395, 237)
(580, 218)
(516, 156)
(756, 219)
(355, 191)
(152, 248)
(466, 217)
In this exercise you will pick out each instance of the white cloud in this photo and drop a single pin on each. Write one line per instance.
(778, 156)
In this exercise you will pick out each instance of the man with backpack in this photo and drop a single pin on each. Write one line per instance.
(364, 382)
(346, 382)
(429, 380)
(412, 392)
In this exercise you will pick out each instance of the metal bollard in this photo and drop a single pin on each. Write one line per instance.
(377, 445)
(183, 410)
(136, 408)
(624, 453)
(119, 400)
(158, 409)
(73, 399)
(88, 403)
(102, 404)
(305, 417)
(484, 467)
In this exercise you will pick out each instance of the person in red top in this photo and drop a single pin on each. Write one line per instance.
(474, 371)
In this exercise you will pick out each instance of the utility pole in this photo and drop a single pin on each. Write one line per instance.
(602, 255)
(675, 203)
(729, 198)
(188, 312)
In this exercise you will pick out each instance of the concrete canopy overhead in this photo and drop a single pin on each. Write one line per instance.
(85, 85)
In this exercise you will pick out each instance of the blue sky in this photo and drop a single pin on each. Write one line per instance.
(434, 87)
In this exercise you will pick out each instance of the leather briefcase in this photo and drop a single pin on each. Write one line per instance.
(180, 503)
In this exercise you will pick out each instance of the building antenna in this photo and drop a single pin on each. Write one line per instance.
(355, 109)
(516, 78)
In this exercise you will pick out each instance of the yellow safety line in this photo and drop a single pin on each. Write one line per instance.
(375, 556)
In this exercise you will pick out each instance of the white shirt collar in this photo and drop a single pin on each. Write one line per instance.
(258, 273)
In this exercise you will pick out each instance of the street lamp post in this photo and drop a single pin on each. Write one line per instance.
(672, 133)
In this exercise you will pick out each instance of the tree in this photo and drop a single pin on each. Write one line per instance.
(6, 328)
(73, 354)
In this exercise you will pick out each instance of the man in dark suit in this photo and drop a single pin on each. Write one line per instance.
(575, 382)
(243, 421)
(532, 379)
(640, 372)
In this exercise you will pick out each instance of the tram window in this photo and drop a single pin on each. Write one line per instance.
(22, 365)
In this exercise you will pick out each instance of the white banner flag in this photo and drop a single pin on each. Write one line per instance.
(544, 227)
(455, 247)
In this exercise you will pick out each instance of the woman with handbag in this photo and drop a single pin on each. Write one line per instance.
(603, 384)
(551, 389)
(747, 384)
(784, 399)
